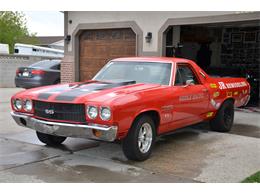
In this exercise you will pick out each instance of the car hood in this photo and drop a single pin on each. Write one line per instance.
(90, 91)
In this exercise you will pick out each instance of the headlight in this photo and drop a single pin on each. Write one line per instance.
(92, 112)
(105, 113)
(17, 104)
(27, 105)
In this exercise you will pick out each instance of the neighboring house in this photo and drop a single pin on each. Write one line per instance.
(221, 41)
(57, 45)
(55, 42)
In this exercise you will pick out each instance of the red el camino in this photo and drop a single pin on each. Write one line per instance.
(133, 100)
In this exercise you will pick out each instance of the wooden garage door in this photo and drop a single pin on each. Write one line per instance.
(97, 47)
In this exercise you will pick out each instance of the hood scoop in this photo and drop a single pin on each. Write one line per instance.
(116, 83)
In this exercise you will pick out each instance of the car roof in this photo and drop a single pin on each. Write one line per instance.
(45, 63)
(153, 59)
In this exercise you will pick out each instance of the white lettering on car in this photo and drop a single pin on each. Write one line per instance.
(191, 97)
(222, 85)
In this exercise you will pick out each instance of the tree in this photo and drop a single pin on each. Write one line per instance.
(13, 29)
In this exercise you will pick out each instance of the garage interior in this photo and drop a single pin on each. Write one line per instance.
(221, 49)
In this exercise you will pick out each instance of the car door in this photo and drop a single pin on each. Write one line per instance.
(190, 96)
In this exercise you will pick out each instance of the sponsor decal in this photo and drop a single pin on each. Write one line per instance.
(216, 94)
(214, 104)
(167, 107)
(167, 117)
(229, 94)
(236, 93)
(244, 91)
(209, 114)
(213, 85)
(191, 97)
(223, 85)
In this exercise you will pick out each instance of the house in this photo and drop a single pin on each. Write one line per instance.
(55, 42)
(220, 42)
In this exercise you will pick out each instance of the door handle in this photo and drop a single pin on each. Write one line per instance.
(204, 90)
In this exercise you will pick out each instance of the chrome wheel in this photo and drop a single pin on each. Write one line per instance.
(145, 137)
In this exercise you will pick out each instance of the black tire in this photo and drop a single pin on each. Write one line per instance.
(56, 82)
(130, 143)
(224, 118)
(50, 140)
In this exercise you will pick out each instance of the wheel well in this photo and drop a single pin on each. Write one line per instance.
(230, 99)
(154, 115)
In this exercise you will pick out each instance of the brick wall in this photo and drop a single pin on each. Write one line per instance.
(67, 69)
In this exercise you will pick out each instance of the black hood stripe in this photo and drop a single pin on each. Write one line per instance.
(49, 93)
(45, 95)
(69, 93)
(87, 89)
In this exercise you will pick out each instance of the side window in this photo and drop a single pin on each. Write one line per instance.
(186, 73)
(178, 79)
(56, 67)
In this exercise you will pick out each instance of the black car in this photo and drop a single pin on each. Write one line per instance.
(46, 72)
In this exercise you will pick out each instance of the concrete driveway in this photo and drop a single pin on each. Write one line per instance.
(193, 154)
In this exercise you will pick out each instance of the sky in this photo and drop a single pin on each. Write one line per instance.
(45, 23)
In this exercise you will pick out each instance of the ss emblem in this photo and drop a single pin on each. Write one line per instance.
(49, 111)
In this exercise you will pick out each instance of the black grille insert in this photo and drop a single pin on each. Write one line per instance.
(60, 111)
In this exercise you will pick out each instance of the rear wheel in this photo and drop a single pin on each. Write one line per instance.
(224, 118)
(139, 141)
(51, 140)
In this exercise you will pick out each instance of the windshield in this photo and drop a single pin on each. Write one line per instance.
(141, 72)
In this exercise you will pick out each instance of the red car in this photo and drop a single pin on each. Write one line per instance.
(133, 100)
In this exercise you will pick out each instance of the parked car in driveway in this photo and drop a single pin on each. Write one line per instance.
(133, 100)
(46, 72)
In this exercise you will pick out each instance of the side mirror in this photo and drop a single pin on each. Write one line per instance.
(189, 82)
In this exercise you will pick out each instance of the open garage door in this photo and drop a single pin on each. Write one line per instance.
(97, 47)
(221, 49)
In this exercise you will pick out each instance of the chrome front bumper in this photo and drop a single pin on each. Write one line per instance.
(106, 133)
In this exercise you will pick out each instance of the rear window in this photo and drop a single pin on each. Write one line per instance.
(45, 64)
(55, 67)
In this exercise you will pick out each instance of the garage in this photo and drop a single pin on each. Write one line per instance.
(97, 47)
(221, 49)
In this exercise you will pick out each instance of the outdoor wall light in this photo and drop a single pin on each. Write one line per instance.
(148, 37)
(67, 39)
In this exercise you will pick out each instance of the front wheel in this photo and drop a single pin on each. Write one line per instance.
(50, 140)
(139, 141)
(224, 118)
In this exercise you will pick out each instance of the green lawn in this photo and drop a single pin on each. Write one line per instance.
(253, 178)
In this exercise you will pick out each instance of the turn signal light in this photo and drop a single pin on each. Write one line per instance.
(97, 133)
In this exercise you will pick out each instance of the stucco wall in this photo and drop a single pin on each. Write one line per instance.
(155, 22)
(147, 21)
